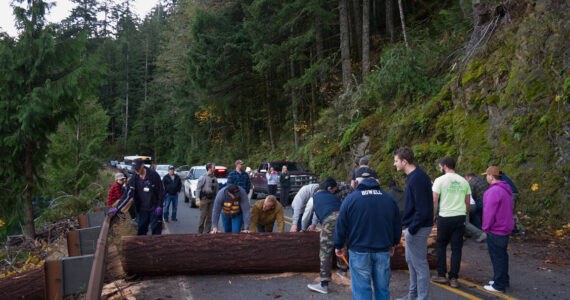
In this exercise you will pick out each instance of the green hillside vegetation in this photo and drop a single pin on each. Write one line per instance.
(316, 81)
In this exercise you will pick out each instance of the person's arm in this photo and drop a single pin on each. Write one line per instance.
(268, 176)
(490, 206)
(279, 218)
(179, 186)
(297, 207)
(161, 190)
(435, 201)
(247, 184)
(254, 218)
(467, 203)
(397, 225)
(231, 178)
(353, 184)
(245, 209)
(306, 218)
(199, 185)
(422, 201)
(216, 211)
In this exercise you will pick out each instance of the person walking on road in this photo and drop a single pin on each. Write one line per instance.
(116, 190)
(285, 181)
(172, 185)
(299, 205)
(327, 207)
(265, 213)
(233, 204)
(369, 223)
(418, 220)
(239, 177)
(454, 196)
(272, 180)
(206, 189)
(498, 223)
(146, 190)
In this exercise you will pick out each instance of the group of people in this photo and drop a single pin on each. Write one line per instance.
(360, 217)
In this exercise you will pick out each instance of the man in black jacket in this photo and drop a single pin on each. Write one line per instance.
(147, 192)
(172, 185)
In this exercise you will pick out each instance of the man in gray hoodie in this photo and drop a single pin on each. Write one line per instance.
(299, 204)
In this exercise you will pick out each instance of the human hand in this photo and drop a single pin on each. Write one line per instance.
(293, 228)
(112, 211)
(392, 251)
(339, 252)
(312, 227)
(158, 211)
(214, 230)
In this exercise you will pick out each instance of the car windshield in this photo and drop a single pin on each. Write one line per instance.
(162, 168)
(198, 172)
(221, 173)
(291, 167)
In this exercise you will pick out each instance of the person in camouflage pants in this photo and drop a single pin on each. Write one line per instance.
(327, 248)
(326, 206)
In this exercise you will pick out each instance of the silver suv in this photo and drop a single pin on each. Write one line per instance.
(191, 181)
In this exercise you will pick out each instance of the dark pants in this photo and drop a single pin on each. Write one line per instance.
(475, 218)
(146, 218)
(264, 228)
(272, 189)
(497, 245)
(449, 229)
(284, 196)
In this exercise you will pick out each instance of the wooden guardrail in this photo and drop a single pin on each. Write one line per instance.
(97, 270)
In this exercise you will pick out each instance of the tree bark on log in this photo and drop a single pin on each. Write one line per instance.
(234, 253)
(221, 253)
(28, 285)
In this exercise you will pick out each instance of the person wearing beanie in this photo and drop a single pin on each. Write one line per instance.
(327, 206)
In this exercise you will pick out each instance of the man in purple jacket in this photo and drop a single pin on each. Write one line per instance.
(498, 223)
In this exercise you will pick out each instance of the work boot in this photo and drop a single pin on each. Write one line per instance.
(453, 283)
(317, 287)
(481, 238)
(438, 279)
(166, 220)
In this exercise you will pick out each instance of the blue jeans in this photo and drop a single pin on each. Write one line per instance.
(497, 245)
(416, 257)
(174, 200)
(366, 267)
(232, 224)
(146, 218)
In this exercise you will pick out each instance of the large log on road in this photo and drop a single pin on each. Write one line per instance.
(28, 285)
(234, 253)
(221, 253)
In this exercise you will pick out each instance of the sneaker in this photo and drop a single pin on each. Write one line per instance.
(342, 274)
(407, 297)
(453, 283)
(166, 220)
(481, 238)
(317, 287)
(174, 220)
(490, 288)
(438, 279)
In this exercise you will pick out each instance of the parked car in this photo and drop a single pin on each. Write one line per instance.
(162, 170)
(191, 181)
(182, 171)
(113, 163)
(299, 177)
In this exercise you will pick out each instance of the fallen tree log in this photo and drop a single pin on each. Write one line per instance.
(28, 285)
(234, 253)
(221, 253)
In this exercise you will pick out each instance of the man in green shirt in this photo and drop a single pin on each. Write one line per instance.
(455, 194)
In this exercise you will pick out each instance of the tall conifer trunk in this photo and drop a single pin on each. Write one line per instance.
(293, 98)
(28, 206)
(356, 15)
(344, 44)
(390, 19)
(403, 23)
(365, 38)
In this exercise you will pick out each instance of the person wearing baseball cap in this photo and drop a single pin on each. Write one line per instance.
(147, 191)
(239, 177)
(116, 190)
(231, 201)
(498, 224)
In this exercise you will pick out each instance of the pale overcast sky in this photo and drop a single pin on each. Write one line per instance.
(60, 11)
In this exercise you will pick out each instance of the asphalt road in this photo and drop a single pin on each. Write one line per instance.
(530, 277)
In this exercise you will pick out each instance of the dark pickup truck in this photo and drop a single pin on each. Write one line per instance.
(299, 177)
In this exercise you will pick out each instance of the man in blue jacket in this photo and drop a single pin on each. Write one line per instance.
(369, 223)
(418, 220)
